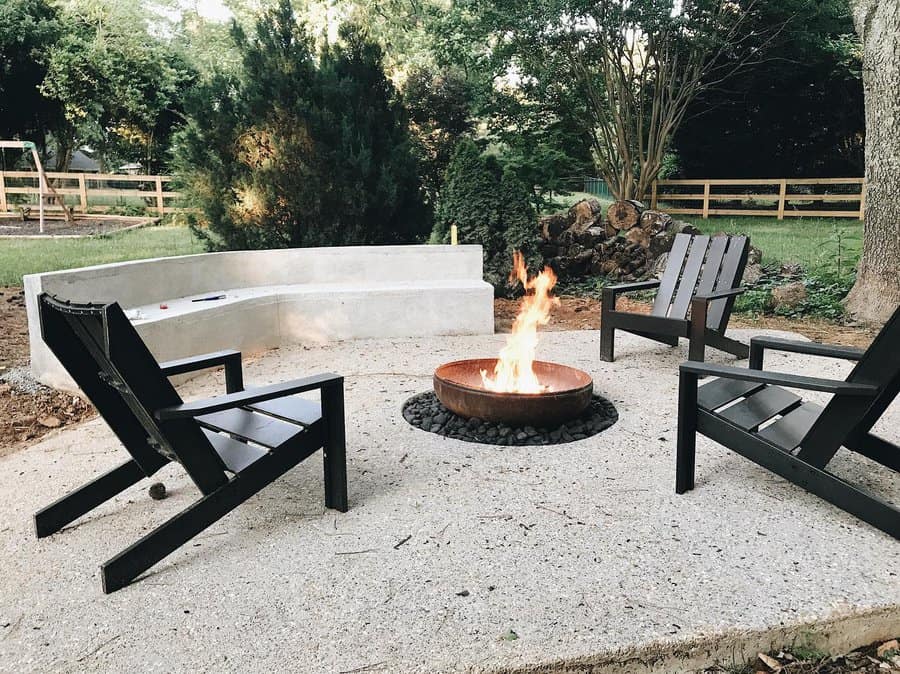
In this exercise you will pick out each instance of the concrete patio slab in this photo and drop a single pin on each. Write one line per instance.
(454, 557)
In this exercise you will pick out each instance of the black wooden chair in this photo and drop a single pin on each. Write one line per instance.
(702, 274)
(231, 446)
(804, 436)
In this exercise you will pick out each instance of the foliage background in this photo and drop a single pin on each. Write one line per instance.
(301, 147)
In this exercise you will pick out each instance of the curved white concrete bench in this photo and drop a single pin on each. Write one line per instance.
(275, 297)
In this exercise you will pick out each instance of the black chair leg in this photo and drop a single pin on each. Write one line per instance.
(607, 344)
(848, 497)
(719, 341)
(697, 332)
(880, 450)
(607, 330)
(70, 507)
(168, 537)
(697, 349)
(171, 535)
(687, 432)
(335, 449)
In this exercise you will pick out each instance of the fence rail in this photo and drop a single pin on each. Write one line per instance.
(782, 197)
(80, 191)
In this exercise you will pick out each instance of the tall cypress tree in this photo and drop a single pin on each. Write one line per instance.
(301, 149)
(491, 207)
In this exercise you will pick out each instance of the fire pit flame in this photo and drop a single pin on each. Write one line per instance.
(514, 372)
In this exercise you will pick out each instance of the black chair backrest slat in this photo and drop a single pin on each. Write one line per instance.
(713, 264)
(730, 275)
(106, 357)
(74, 354)
(698, 264)
(846, 415)
(671, 275)
(689, 276)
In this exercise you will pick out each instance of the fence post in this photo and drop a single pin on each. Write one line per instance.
(3, 206)
(160, 204)
(782, 193)
(82, 189)
(862, 199)
(706, 200)
(653, 196)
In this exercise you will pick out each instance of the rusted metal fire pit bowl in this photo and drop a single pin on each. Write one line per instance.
(459, 388)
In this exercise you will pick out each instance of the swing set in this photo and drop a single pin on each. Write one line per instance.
(47, 196)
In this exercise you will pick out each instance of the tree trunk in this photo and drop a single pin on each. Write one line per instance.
(876, 293)
(65, 149)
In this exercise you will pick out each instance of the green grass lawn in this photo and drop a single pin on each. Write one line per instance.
(813, 242)
(29, 256)
(809, 241)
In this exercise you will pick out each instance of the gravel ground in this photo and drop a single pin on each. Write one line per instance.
(454, 556)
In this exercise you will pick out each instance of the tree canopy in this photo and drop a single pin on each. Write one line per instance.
(797, 112)
(302, 147)
(28, 29)
(623, 72)
(328, 121)
(119, 88)
(559, 88)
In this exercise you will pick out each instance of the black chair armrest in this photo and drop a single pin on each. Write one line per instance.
(611, 293)
(629, 287)
(759, 344)
(718, 295)
(779, 379)
(248, 397)
(230, 358)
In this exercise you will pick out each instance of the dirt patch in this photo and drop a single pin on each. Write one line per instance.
(13, 329)
(28, 410)
(29, 414)
(873, 659)
(816, 329)
(573, 313)
(90, 226)
(583, 313)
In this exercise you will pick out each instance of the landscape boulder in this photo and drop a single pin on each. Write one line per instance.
(788, 296)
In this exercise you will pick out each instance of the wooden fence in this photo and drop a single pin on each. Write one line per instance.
(782, 197)
(89, 192)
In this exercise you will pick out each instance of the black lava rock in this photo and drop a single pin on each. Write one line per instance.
(424, 411)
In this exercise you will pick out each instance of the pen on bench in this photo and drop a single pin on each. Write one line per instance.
(208, 299)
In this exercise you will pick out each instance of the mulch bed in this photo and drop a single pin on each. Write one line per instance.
(28, 410)
(425, 411)
(82, 226)
(877, 658)
(13, 328)
(30, 413)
